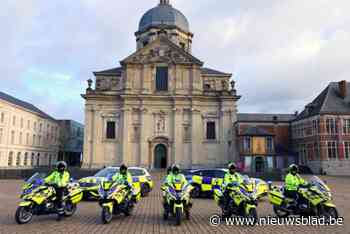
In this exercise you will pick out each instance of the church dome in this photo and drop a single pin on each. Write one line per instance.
(164, 14)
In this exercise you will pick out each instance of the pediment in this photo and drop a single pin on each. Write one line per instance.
(161, 50)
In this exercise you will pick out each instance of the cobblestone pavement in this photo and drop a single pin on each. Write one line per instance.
(147, 217)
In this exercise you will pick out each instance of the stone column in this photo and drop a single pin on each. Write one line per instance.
(177, 136)
(224, 131)
(147, 79)
(128, 76)
(125, 138)
(89, 135)
(197, 137)
(145, 133)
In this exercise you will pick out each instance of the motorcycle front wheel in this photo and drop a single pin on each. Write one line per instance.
(280, 213)
(129, 209)
(69, 209)
(252, 216)
(23, 215)
(327, 213)
(332, 212)
(106, 215)
(178, 216)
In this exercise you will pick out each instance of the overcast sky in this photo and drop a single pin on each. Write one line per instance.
(282, 52)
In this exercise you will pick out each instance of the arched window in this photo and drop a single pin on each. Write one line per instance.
(38, 160)
(2, 119)
(25, 162)
(162, 79)
(18, 159)
(32, 160)
(13, 137)
(10, 159)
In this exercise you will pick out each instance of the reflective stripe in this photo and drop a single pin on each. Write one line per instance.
(197, 179)
(206, 187)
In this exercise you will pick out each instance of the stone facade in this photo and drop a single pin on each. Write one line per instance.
(136, 115)
(28, 138)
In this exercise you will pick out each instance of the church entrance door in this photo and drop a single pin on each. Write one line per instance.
(160, 156)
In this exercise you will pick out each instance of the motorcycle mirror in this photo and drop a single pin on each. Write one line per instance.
(270, 184)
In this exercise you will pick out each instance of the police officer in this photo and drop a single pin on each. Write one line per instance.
(231, 178)
(164, 184)
(168, 173)
(123, 176)
(292, 183)
(176, 177)
(59, 179)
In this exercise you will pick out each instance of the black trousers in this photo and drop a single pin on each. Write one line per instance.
(291, 194)
(59, 199)
(227, 199)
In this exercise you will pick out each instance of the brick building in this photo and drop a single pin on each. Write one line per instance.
(264, 141)
(321, 133)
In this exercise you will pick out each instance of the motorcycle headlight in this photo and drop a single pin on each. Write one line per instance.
(329, 195)
(180, 196)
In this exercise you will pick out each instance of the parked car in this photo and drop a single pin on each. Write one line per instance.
(141, 179)
(206, 180)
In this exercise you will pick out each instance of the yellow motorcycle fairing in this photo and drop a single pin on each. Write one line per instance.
(329, 204)
(25, 203)
(181, 206)
(39, 196)
(276, 197)
(217, 195)
(119, 194)
(178, 186)
(237, 198)
(109, 206)
(313, 197)
(76, 198)
(248, 208)
(75, 194)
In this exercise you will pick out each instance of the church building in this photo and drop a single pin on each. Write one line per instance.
(160, 105)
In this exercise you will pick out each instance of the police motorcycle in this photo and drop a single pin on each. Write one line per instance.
(315, 199)
(177, 201)
(39, 198)
(242, 200)
(116, 198)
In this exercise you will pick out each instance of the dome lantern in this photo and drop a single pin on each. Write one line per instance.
(164, 2)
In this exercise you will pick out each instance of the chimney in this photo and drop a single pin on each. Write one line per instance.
(342, 88)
